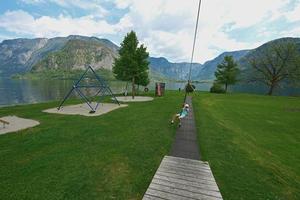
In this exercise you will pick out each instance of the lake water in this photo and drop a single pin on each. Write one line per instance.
(14, 92)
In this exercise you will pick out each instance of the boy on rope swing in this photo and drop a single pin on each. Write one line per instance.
(183, 113)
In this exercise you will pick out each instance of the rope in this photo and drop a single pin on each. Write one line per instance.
(192, 57)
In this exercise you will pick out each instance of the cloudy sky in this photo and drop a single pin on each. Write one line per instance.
(166, 27)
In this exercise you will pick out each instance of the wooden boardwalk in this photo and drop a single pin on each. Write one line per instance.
(182, 175)
(181, 178)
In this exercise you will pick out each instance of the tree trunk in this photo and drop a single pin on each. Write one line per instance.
(272, 86)
(226, 85)
(133, 88)
(126, 89)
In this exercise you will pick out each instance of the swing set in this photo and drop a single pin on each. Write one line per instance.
(90, 80)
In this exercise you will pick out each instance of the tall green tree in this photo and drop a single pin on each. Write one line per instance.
(132, 64)
(227, 72)
(275, 64)
(143, 63)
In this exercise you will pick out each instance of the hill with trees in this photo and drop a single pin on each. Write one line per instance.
(269, 58)
(69, 53)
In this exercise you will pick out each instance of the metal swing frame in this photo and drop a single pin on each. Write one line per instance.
(102, 86)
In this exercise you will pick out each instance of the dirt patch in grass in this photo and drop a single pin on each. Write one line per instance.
(16, 124)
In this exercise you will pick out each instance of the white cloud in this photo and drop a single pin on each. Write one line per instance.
(122, 4)
(170, 45)
(165, 26)
(21, 22)
(294, 32)
(294, 15)
(4, 37)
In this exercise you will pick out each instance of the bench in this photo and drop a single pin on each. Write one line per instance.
(4, 122)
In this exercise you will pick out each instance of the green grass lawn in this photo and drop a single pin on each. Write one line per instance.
(113, 156)
(252, 144)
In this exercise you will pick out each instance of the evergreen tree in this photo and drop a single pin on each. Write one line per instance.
(227, 72)
(142, 59)
(132, 65)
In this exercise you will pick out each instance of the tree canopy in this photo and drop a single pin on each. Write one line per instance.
(143, 70)
(275, 64)
(132, 64)
(227, 72)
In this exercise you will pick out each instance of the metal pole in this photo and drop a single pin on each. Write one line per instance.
(73, 87)
(81, 77)
(103, 82)
(84, 97)
(66, 97)
(98, 99)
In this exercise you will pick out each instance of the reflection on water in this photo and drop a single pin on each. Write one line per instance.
(13, 92)
(30, 91)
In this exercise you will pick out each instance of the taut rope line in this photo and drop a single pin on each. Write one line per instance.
(195, 37)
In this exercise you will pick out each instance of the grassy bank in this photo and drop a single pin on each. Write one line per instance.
(252, 143)
(113, 156)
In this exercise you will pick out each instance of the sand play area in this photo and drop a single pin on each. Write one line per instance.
(84, 109)
(136, 99)
(16, 124)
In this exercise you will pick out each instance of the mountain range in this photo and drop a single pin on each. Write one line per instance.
(73, 52)
(241, 57)
(22, 55)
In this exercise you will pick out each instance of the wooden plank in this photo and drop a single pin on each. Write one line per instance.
(199, 164)
(181, 192)
(196, 166)
(178, 166)
(206, 185)
(149, 197)
(186, 174)
(192, 179)
(179, 178)
(165, 195)
(187, 161)
(196, 170)
(188, 188)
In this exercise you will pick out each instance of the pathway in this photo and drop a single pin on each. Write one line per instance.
(182, 175)
(186, 144)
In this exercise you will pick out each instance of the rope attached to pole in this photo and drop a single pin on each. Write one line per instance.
(194, 43)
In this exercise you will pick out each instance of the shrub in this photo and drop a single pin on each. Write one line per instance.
(217, 88)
